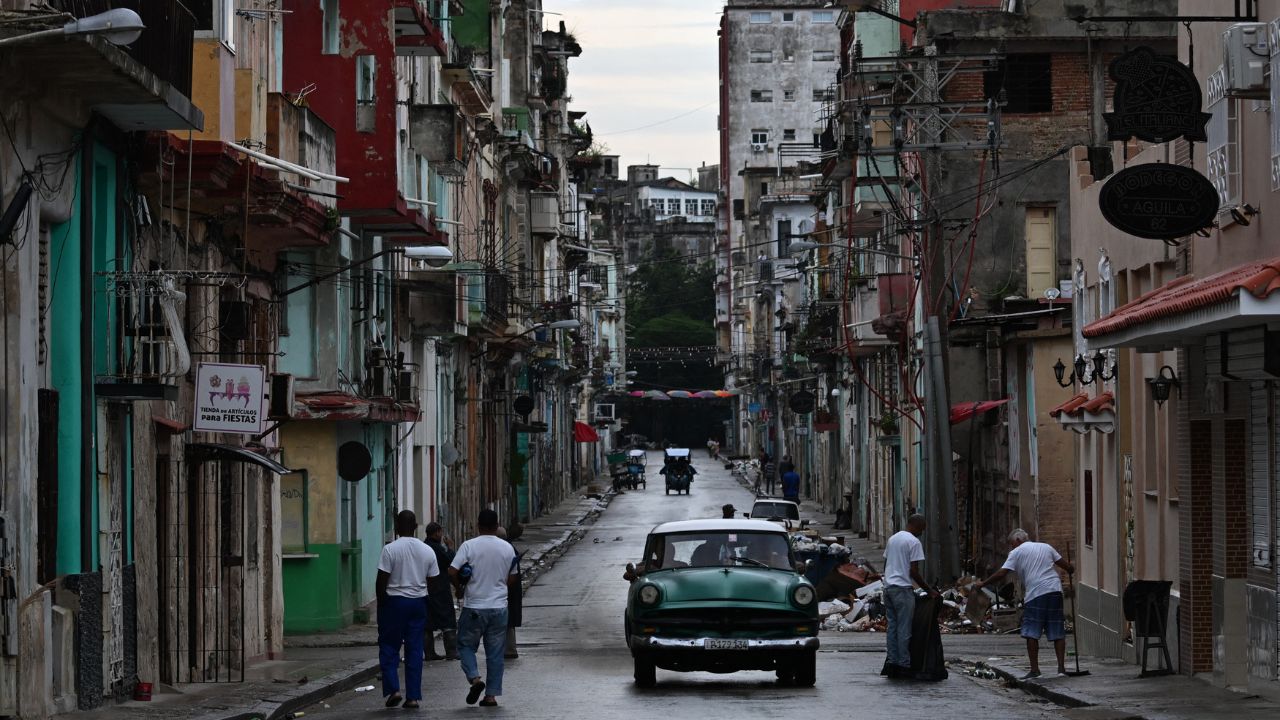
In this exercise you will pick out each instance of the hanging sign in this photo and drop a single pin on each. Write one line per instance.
(1159, 201)
(1156, 99)
(802, 402)
(229, 398)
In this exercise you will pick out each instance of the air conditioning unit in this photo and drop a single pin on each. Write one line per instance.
(1244, 59)
(604, 411)
(280, 405)
(759, 147)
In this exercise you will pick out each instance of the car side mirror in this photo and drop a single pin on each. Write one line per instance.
(746, 514)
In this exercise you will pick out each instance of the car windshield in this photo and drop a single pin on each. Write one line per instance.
(766, 510)
(719, 549)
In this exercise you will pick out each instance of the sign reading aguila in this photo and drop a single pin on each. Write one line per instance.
(1159, 201)
(1157, 99)
(229, 398)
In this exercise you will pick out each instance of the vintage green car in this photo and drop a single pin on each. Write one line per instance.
(721, 596)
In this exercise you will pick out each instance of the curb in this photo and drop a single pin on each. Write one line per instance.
(1055, 695)
(286, 703)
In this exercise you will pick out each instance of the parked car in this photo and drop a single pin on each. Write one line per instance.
(783, 512)
(721, 596)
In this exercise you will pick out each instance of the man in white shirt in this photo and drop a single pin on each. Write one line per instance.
(492, 563)
(902, 557)
(1042, 596)
(403, 569)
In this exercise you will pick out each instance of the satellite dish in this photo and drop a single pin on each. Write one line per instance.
(354, 461)
(523, 405)
(449, 455)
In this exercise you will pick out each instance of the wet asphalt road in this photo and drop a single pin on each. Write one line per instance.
(574, 663)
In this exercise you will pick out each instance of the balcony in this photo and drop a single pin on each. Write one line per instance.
(145, 358)
(437, 133)
(488, 298)
(544, 213)
(146, 86)
(416, 30)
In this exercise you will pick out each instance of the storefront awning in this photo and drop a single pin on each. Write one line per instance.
(1186, 309)
(234, 453)
(965, 410)
(584, 433)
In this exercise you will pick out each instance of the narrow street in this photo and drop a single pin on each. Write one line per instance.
(573, 660)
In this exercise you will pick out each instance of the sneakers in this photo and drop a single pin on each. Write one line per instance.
(1031, 675)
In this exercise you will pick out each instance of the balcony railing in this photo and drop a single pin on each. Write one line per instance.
(164, 47)
(497, 297)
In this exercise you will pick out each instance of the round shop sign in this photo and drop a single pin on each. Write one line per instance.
(1159, 201)
(802, 402)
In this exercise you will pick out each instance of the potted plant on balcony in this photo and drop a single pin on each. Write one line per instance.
(888, 424)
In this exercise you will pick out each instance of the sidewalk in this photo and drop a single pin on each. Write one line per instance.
(321, 665)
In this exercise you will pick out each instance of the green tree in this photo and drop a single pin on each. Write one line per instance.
(671, 303)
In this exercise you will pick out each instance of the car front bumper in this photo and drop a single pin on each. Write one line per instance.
(649, 642)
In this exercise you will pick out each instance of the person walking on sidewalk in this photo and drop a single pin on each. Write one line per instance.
(404, 569)
(440, 614)
(515, 601)
(484, 606)
(1034, 562)
(791, 485)
(767, 472)
(903, 555)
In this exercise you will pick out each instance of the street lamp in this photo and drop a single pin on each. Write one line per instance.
(1080, 366)
(120, 26)
(1161, 384)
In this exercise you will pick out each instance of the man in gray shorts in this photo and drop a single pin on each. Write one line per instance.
(1042, 605)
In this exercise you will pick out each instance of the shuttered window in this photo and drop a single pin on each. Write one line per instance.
(1042, 255)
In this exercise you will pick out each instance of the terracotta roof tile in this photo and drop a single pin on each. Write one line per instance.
(1080, 404)
(1071, 406)
(1103, 402)
(1186, 294)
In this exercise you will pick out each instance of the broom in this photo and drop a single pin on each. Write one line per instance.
(1075, 629)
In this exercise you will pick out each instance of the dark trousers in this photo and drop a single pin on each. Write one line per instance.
(401, 622)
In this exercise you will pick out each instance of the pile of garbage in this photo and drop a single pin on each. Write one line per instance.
(964, 610)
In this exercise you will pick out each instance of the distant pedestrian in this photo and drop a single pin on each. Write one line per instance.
(484, 606)
(515, 600)
(440, 614)
(1042, 602)
(727, 512)
(791, 485)
(903, 555)
(767, 472)
(404, 569)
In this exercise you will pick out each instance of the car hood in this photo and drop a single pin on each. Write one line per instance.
(736, 583)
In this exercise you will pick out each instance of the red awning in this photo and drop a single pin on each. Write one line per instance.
(583, 432)
(965, 410)
(167, 425)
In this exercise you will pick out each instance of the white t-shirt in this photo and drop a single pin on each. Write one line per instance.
(492, 560)
(409, 562)
(1033, 561)
(901, 550)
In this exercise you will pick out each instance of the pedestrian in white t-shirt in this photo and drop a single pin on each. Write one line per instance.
(902, 557)
(484, 605)
(401, 586)
(1034, 562)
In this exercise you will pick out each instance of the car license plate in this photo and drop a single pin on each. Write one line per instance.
(725, 644)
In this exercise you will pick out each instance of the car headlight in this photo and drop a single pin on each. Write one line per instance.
(802, 595)
(649, 594)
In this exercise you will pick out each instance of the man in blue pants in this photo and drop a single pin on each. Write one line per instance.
(484, 605)
(403, 569)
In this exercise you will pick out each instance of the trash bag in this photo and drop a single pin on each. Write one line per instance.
(927, 660)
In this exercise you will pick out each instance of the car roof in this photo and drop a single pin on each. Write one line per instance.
(677, 452)
(772, 501)
(635, 452)
(717, 524)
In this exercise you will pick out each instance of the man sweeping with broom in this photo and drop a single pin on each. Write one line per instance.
(1042, 605)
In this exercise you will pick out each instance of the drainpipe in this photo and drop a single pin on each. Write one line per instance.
(87, 424)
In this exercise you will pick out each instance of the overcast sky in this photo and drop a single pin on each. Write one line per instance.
(648, 67)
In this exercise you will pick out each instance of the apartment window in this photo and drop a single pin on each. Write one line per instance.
(784, 237)
(1024, 80)
(824, 94)
(1042, 250)
(759, 137)
(761, 56)
(823, 16)
(1224, 135)
(817, 139)
(789, 134)
(788, 96)
(690, 207)
(708, 207)
(761, 96)
(293, 512)
(1088, 508)
(764, 189)
(788, 17)
(329, 42)
(759, 18)
(216, 19)
(673, 206)
(366, 69)
(788, 56)
(824, 55)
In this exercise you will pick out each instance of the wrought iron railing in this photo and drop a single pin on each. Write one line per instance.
(164, 47)
(497, 297)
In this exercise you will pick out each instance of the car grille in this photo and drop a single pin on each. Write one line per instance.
(725, 618)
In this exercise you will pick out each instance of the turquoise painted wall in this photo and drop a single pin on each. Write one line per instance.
(64, 376)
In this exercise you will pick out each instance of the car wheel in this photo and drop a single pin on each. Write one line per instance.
(646, 673)
(806, 670)
(785, 675)
(668, 491)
